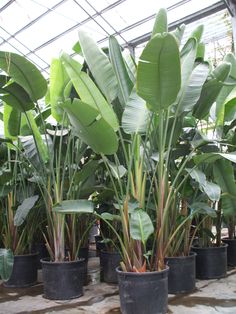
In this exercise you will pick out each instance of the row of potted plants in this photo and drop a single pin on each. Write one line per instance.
(147, 148)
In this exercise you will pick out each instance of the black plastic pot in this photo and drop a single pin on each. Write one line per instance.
(231, 251)
(84, 254)
(109, 261)
(63, 280)
(182, 273)
(211, 262)
(143, 292)
(42, 251)
(99, 244)
(24, 273)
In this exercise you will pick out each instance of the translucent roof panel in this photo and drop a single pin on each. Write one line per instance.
(40, 29)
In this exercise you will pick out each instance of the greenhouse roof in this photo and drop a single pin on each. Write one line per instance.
(40, 29)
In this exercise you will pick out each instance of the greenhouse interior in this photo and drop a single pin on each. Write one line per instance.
(118, 156)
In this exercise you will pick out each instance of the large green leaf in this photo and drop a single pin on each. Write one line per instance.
(191, 93)
(197, 33)
(224, 176)
(212, 157)
(41, 141)
(12, 121)
(141, 226)
(15, 96)
(160, 24)
(91, 127)
(24, 73)
(24, 209)
(74, 207)
(30, 149)
(158, 73)
(58, 81)
(211, 90)
(179, 32)
(88, 91)
(225, 92)
(6, 263)
(124, 82)
(87, 170)
(203, 208)
(99, 65)
(136, 115)
(188, 55)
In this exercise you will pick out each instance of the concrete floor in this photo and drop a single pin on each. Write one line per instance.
(211, 296)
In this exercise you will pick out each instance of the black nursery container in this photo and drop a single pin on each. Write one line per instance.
(84, 254)
(231, 251)
(109, 261)
(142, 293)
(24, 273)
(211, 262)
(63, 280)
(182, 273)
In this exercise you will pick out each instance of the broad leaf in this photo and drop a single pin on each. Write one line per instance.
(136, 115)
(124, 82)
(24, 209)
(193, 89)
(74, 207)
(88, 91)
(197, 33)
(212, 190)
(12, 121)
(91, 127)
(224, 176)
(197, 175)
(141, 226)
(158, 74)
(24, 73)
(99, 65)
(87, 170)
(41, 141)
(160, 25)
(15, 96)
(30, 149)
(179, 32)
(109, 216)
(211, 90)
(6, 263)
(117, 171)
(188, 55)
(58, 82)
(203, 208)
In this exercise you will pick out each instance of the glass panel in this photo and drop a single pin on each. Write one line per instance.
(86, 6)
(18, 46)
(101, 4)
(109, 29)
(132, 11)
(53, 50)
(20, 13)
(71, 11)
(45, 29)
(37, 61)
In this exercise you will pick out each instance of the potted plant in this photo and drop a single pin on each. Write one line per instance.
(19, 216)
(151, 132)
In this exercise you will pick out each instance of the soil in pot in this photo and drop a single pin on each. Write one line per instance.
(231, 251)
(143, 292)
(211, 262)
(63, 280)
(109, 261)
(182, 273)
(24, 273)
